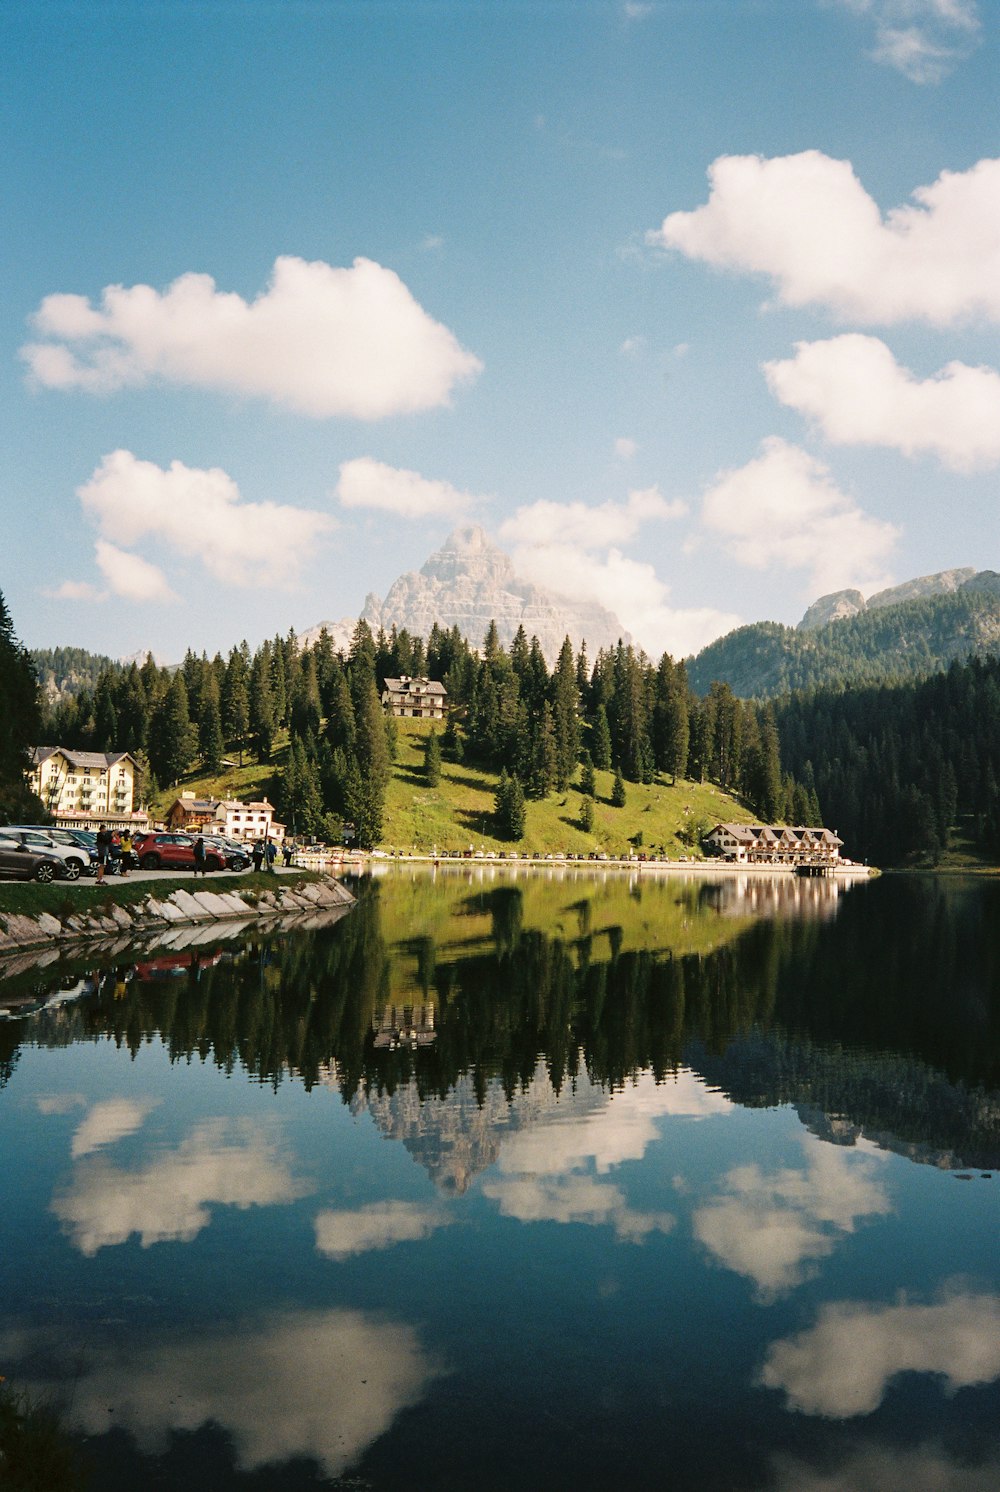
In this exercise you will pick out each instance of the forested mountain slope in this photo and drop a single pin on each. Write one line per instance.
(892, 643)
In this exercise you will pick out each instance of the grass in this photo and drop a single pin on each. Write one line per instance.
(459, 812)
(63, 899)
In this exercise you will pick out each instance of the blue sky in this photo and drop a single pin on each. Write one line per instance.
(693, 305)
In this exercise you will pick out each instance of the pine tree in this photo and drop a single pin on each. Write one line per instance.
(432, 759)
(210, 740)
(235, 702)
(509, 807)
(173, 739)
(262, 724)
(588, 783)
(587, 814)
(601, 740)
(618, 790)
(20, 722)
(565, 715)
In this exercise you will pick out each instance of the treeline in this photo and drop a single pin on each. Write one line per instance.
(895, 768)
(507, 712)
(889, 644)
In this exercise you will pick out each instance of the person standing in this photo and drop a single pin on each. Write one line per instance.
(200, 862)
(257, 853)
(102, 846)
(127, 850)
(270, 853)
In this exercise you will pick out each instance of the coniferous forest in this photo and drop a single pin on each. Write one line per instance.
(894, 767)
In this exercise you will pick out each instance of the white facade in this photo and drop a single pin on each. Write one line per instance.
(86, 788)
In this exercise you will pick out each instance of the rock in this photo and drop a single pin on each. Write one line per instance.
(941, 584)
(836, 607)
(470, 582)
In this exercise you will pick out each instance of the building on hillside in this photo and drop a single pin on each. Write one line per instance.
(773, 844)
(87, 789)
(224, 816)
(422, 699)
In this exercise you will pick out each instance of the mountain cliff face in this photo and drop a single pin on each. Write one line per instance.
(840, 605)
(470, 582)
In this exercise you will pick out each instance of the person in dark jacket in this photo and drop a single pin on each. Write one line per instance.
(257, 853)
(200, 858)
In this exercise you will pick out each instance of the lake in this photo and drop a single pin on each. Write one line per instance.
(515, 1180)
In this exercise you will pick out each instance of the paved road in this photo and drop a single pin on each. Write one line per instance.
(167, 875)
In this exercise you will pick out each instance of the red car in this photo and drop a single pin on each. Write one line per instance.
(174, 852)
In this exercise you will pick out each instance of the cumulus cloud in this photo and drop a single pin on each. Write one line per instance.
(555, 1170)
(366, 483)
(625, 448)
(922, 39)
(111, 1120)
(319, 340)
(130, 576)
(773, 1226)
(589, 527)
(201, 516)
(74, 590)
(784, 509)
(631, 589)
(843, 1365)
(322, 1385)
(858, 394)
(227, 1164)
(884, 1468)
(807, 222)
(339, 1234)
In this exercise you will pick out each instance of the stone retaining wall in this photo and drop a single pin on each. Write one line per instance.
(180, 907)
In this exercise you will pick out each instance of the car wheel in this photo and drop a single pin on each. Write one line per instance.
(45, 872)
(150, 862)
(72, 870)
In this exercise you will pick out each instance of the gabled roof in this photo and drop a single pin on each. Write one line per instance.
(102, 759)
(406, 685)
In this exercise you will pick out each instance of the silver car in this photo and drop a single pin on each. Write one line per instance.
(74, 858)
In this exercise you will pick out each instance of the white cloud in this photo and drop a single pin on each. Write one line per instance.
(855, 390)
(922, 39)
(60, 1103)
(843, 1365)
(783, 509)
(574, 1199)
(323, 1385)
(110, 1120)
(377, 1226)
(589, 527)
(199, 514)
(366, 483)
(625, 448)
(772, 1226)
(888, 1468)
(631, 346)
(228, 1164)
(321, 341)
(552, 1171)
(131, 576)
(631, 589)
(74, 590)
(807, 222)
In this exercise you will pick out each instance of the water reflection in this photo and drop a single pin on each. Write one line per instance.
(614, 1181)
(223, 1162)
(775, 1225)
(843, 1365)
(317, 1384)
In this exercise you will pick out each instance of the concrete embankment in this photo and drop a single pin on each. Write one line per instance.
(177, 908)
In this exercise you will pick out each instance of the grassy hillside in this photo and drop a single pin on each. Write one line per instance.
(459, 812)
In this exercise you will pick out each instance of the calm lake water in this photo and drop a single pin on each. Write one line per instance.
(549, 1180)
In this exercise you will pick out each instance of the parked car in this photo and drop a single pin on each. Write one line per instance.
(84, 839)
(174, 852)
(237, 856)
(18, 862)
(73, 858)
